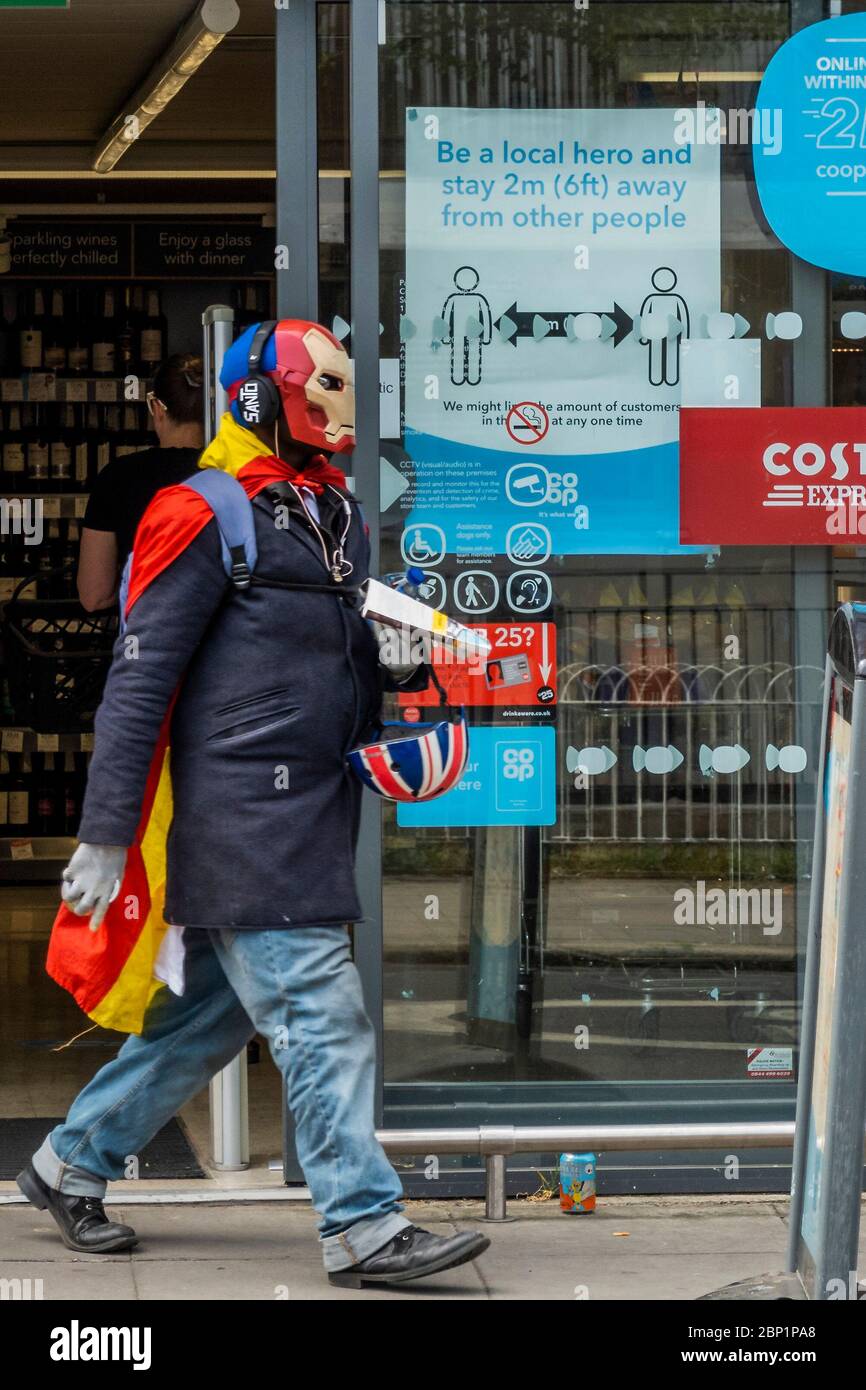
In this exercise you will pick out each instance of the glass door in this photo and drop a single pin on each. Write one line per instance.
(604, 918)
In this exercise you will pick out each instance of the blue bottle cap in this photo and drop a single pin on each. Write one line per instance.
(415, 575)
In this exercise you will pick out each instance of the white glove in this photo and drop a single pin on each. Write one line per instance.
(91, 879)
(401, 649)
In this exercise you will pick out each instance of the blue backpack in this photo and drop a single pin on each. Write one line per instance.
(233, 512)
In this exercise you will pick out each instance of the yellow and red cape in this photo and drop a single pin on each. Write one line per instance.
(110, 972)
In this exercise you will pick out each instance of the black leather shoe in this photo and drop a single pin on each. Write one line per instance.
(83, 1224)
(412, 1254)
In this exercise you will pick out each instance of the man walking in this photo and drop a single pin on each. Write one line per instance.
(234, 695)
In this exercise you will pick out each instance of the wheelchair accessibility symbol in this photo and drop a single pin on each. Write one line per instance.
(423, 544)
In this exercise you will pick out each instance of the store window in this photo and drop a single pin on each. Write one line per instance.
(641, 923)
(77, 357)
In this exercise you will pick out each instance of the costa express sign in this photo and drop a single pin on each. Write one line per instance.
(772, 477)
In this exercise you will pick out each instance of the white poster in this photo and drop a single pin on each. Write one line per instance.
(556, 261)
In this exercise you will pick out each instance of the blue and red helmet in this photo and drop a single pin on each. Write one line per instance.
(414, 762)
(313, 377)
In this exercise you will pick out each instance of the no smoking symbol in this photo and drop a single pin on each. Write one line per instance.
(527, 422)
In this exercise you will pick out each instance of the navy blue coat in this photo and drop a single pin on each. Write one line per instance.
(276, 687)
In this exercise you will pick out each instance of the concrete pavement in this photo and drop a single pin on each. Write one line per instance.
(631, 1248)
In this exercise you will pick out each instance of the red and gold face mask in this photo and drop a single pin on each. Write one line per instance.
(314, 377)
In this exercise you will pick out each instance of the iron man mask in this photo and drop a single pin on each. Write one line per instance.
(314, 378)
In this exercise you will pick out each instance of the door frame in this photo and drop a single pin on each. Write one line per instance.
(425, 1104)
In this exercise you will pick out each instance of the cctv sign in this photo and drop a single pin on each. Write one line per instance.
(772, 476)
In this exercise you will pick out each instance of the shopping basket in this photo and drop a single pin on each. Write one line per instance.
(57, 657)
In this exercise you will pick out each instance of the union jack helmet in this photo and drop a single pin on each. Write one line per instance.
(414, 762)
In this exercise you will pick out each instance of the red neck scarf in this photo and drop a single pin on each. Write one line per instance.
(316, 474)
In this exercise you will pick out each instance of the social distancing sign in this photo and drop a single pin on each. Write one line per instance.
(556, 262)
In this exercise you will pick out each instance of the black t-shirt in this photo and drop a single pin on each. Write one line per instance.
(124, 489)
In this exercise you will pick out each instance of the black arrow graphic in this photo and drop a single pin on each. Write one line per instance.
(524, 320)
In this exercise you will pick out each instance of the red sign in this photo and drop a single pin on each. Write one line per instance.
(793, 476)
(527, 422)
(519, 669)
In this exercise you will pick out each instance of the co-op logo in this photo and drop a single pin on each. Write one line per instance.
(531, 484)
(810, 459)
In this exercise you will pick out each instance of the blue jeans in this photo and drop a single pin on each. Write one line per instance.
(299, 988)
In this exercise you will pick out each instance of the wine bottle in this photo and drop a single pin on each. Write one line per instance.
(102, 437)
(127, 440)
(138, 314)
(104, 350)
(10, 568)
(54, 351)
(46, 580)
(127, 337)
(69, 560)
(250, 311)
(61, 452)
(25, 563)
(46, 817)
(107, 448)
(9, 332)
(19, 797)
(38, 454)
(153, 336)
(7, 711)
(14, 454)
(30, 336)
(81, 448)
(78, 357)
(71, 795)
(5, 780)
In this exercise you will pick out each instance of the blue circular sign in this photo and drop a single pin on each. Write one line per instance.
(809, 144)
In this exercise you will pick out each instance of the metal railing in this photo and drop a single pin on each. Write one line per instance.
(495, 1142)
(627, 694)
(626, 804)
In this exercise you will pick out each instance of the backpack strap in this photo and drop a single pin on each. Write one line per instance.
(233, 512)
(234, 516)
(123, 591)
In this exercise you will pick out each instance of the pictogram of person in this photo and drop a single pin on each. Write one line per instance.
(472, 595)
(664, 353)
(469, 326)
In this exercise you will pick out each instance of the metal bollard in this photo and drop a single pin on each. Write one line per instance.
(229, 1113)
(494, 1188)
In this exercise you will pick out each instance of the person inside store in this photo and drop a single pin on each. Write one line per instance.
(262, 674)
(123, 490)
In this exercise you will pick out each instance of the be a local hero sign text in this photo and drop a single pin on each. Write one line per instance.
(772, 476)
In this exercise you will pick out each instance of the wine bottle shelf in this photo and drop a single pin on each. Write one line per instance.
(34, 858)
(17, 739)
(43, 388)
(56, 506)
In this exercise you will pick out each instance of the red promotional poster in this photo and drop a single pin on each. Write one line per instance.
(794, 476)
(519, 669)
